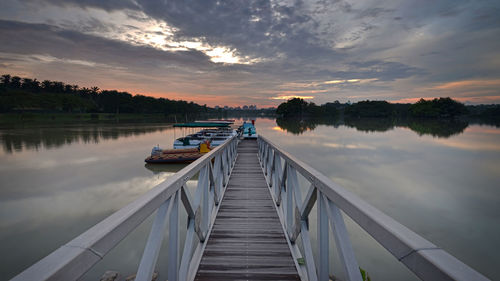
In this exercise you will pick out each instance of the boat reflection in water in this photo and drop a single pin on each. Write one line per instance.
(171, 168)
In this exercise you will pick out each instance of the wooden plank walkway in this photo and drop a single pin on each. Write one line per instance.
(247, 241)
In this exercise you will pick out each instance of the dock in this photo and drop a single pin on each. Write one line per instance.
(247, 240)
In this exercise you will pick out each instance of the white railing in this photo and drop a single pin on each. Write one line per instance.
(424, 259)
(72, 260)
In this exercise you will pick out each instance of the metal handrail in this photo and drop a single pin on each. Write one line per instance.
(423, 258)
(72, 260)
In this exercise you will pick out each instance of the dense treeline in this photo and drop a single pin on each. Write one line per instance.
(370, 109)
(297, 107)
(435, 108)
(24, 94)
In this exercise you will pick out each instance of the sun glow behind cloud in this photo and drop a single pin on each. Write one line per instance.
(133, 27)
(160, 35)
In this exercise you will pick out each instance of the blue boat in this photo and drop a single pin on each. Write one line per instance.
(248, 130)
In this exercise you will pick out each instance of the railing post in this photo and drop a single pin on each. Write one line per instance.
(225, 167)
(262, 152)
(186, 253)
(235, 150)
(268, 156)
(306, 243)
(278, 174)
(229, 161)
(266, 151)
(291, 184)
(152, 249)
(230, 155)
(203, 177)
(271, 168)
(342, 241)
(213, 183)
(219, 175)
(259, 148)
(173, 240)
(233, 154)
(259, 141)
(323, 245)
(282, 185)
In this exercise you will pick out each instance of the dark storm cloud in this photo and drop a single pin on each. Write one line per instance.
(108, 5)
(42, 39)
(254, 28)
(383, 70)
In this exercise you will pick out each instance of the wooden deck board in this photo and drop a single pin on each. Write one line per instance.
(247, 241)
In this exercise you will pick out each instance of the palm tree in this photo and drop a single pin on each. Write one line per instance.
(47, 85)
(94, 90)
(6, 80)
(15, 82)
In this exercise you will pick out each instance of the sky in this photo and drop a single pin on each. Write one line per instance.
(263, 52)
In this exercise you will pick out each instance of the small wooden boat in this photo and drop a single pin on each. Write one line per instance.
(188, 155)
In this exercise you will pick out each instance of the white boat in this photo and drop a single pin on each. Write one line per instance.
(214, 136)
(188, 142)
(221, 137)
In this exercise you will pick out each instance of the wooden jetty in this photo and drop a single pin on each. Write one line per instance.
(247, 240)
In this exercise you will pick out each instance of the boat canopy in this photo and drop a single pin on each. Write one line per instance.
(201, 124)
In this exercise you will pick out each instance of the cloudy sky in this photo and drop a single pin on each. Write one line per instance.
(262, 52)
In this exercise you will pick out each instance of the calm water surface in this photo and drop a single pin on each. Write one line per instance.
(57, 182)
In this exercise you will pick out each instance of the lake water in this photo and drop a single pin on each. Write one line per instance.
(439, 180)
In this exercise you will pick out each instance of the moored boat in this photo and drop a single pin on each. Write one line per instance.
(214, 136)
(220, 121)
(190, 141)
(248, 130)
(189, 155)
(191, 147)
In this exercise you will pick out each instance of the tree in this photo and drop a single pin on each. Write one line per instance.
(437, 108)
(6, 80)
(46, 85)
(370, 109)
(15, 82)
(16, 92)
(295, 107)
